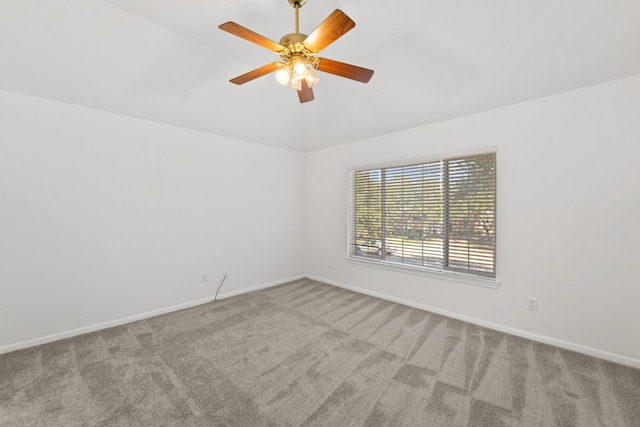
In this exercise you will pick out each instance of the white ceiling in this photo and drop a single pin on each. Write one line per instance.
(167, 61)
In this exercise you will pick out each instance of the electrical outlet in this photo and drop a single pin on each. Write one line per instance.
(330, 264)
(532, 303)
(204, 277)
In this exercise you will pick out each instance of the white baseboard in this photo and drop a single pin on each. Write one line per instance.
(498, 327)
(130, 319)
(635, 363)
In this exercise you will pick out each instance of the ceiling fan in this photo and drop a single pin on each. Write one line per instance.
(298, 53)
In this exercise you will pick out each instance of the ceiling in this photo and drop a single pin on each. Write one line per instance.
(167, 61)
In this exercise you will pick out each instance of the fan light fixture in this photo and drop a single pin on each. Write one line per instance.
(294, 72)
(298, 53)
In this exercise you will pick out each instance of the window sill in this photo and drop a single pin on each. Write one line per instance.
(422, 271)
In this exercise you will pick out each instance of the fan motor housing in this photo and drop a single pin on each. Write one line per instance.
(292, 39)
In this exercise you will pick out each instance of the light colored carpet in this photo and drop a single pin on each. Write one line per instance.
(307, 353)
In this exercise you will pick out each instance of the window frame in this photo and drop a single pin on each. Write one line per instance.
(440, 273)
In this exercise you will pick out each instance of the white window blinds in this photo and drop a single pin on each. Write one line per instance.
(439, 214)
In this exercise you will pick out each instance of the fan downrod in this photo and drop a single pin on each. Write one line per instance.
(297, 3)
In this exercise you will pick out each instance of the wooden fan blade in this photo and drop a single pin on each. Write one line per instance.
(335, 26)
(345, 70)
(258, 72)
(247, 34)
(306, 93)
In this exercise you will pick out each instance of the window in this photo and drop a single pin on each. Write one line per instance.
(434, 215)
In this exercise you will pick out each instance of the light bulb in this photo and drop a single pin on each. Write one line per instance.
(311, 78)
(284, 75)
(299, 69)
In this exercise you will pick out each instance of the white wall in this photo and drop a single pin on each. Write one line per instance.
(568, 212)
(103, 217)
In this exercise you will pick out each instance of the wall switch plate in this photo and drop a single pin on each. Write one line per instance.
(204, 278)
(532, 303)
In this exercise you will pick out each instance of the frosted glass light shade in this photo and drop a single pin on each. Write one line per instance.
(311, 78)
(284, 75)
(295, 83)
